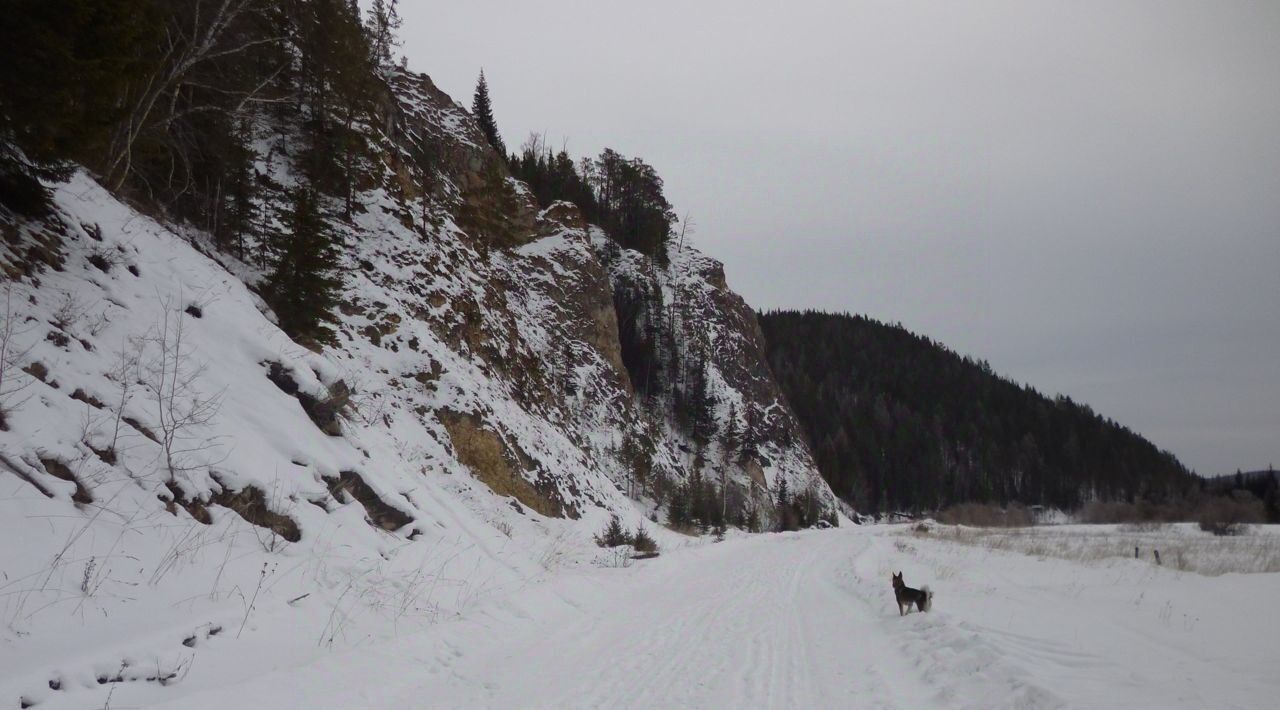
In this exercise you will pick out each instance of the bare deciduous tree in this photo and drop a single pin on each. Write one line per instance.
(190, 39)
(12, 380)
(125, 373)
(171, 377)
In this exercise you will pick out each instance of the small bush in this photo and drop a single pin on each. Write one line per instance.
(643, 542)
(614, 535)
(1141, 512)
(102, 259)
(1226, 514)
(1231, 515)
(981, 515)
(1144, 526)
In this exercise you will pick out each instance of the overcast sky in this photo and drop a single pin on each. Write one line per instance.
(1085, 194)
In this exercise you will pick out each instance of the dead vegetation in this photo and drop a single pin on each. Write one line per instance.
(172, 379)
(983, 515)
(496, 465)
(13, 379)
(252, 504)
(1180, 548)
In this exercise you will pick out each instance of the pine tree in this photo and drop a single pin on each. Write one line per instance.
(338, 88)
(482, 109)
(785, 508)
(304, 285)
(729, 442)
(614, 535)
(384, 21)
(643, 542)
(65, 65)
(678, 507)
(239, 209)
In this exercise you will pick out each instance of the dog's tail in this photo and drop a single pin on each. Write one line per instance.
(928, 597)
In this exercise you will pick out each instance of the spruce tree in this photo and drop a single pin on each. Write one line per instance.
(239, 209)
(304, 285)
(678, 512)
(384, 21)
(63, 66)
(482, 109)
(338, 89)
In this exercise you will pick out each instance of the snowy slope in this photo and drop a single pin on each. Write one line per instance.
(190, 497)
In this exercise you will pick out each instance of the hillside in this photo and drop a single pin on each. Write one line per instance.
(294, 363)
(898, 421)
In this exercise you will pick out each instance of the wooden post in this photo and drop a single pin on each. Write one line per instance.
(1158, 562)
(1135, 552)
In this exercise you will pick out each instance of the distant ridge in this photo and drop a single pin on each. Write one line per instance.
(898, 421)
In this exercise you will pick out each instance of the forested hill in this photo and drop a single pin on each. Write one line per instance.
(898, 421)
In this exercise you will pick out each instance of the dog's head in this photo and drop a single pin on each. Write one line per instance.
(897, 581)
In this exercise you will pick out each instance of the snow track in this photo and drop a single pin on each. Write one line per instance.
(808, 620)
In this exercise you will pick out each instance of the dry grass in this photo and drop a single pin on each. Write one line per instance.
(1181, 548)
(493, 462)
(987, 516)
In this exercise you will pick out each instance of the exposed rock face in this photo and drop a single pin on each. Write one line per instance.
(697, 354)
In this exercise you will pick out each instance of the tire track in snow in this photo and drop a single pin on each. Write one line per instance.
(771, 621)
(760, 622)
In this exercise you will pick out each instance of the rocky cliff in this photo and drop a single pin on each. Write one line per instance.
(480, 340)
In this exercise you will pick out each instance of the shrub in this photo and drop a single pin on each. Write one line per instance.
(642, 541)
(985, 515)
(1231, 515)
(614, 535)
(1140, 512)
(1143, 526)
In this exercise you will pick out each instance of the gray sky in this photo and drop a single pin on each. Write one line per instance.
(1085, 194)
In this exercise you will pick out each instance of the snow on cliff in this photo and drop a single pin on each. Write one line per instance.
(182, 480)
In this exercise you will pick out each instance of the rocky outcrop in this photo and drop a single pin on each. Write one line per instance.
(476, 335)
(557, 367)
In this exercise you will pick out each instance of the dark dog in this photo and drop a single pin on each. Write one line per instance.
(922, 597)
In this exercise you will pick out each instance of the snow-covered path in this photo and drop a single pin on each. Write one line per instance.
(808, 620)
(770, 625)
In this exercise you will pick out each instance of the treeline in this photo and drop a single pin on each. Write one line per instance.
(172, 103)
(899, 422)
(703, 505)
(624, 196)
(1263, 486)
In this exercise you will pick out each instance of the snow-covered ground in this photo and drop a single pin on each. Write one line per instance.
(792, 620)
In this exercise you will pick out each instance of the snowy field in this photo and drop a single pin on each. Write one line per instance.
(1181, 546)
(791, 620)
